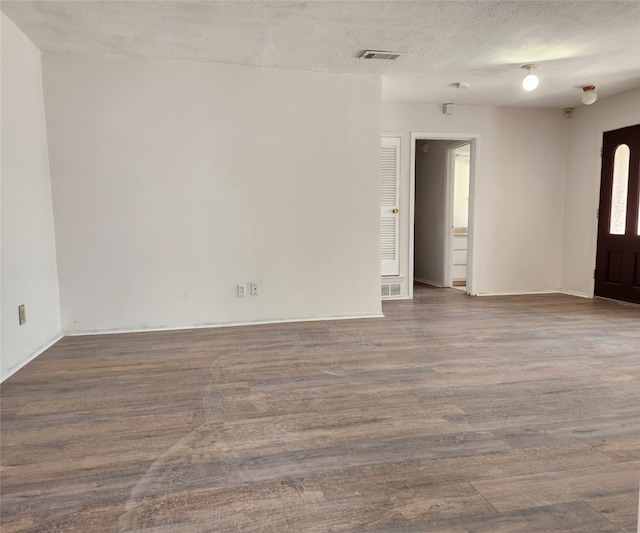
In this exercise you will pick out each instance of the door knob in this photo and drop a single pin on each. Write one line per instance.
(395, 210)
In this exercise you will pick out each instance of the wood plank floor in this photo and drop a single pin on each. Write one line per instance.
(451, 414)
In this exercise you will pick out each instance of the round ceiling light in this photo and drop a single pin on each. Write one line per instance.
(589, 94)
(531, 81)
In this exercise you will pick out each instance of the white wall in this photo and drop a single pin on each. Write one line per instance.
(519, 189)
(430, 194)
(173, 182)
(583, 184)
(28, 247)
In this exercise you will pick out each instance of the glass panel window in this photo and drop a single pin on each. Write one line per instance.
(619, 190)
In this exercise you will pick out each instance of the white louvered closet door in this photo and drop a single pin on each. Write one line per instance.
(389, 205)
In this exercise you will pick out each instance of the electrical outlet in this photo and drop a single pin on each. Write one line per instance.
(242, 289)
(22, 316)
(255, 289)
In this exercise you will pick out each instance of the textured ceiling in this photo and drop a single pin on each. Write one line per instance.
(483, 43)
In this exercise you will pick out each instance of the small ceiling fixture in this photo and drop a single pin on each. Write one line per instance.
(531, 80)
(589, 94)
(380, 54)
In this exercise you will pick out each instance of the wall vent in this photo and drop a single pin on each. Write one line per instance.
(380, 54)
(391, 289)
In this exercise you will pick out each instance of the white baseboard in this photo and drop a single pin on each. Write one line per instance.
(108, 331)
(428, 282)
(32, 355)
(576, 293)
(519, 293)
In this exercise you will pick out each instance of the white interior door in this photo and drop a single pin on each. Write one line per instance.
(460, 166)
(389, 205)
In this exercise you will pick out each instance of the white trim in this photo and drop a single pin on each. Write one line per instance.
(519, 293)
(412, 210)
(473, 159)
(108, 331)
(474, 139)
(575, 293)
(32, 355)
(429, 282)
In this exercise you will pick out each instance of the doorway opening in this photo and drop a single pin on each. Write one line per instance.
(443, 169)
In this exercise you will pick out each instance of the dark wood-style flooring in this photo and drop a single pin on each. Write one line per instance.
(452, 414)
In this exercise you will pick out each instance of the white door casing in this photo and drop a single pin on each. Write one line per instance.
(474, 138)
(389, 206)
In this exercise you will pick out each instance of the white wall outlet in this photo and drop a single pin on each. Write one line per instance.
(22, 315)
(255, 289)
(242, 289)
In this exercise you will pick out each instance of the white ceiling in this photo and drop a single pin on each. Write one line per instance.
(483, 43)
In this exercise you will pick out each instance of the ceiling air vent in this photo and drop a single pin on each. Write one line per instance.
(379, 54)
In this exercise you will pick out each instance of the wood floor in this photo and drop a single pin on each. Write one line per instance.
(452, 414)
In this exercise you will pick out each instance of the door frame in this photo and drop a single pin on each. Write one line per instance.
(474, 140)
(448, 209)
(615, 140)
(597, 185)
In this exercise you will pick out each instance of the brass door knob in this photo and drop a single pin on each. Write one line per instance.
(395, 210)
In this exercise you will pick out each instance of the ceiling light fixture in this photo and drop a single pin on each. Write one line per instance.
(531, 81)
(589, 94)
